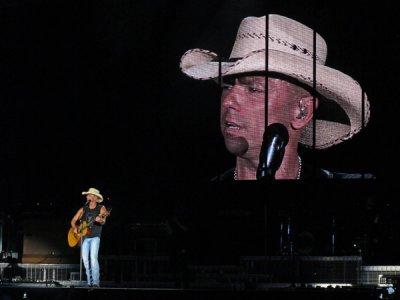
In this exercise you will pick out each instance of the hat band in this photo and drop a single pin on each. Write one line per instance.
(279, 43)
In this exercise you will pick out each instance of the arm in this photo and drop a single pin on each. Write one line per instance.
(101, 219)
(77, 216)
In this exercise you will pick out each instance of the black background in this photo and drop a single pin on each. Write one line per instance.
(92, 95)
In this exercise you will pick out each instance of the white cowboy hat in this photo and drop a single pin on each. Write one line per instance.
(290, 53)
(95, 192)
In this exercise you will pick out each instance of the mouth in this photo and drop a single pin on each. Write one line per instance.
(231, 129)
(231, 125)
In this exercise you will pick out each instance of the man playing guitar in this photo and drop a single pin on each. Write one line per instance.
(95, 215)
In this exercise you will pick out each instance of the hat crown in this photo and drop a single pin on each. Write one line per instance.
(93, 190)
(285, 35)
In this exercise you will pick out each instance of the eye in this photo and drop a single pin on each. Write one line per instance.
(255, 89)
(228, 82)
(226, 86)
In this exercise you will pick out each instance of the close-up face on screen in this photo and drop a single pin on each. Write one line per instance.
(302, 102)
(199, 149)
(243, 114)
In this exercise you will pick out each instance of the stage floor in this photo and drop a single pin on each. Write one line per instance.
(41, 291)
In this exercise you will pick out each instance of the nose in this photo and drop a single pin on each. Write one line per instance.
(230, 98)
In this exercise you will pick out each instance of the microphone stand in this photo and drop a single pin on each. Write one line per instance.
(272, 152)
(291, 252)
(80, 256)
(333, 236)
(80, 252)
(266, 177)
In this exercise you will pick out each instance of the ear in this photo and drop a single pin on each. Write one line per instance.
(304, 112)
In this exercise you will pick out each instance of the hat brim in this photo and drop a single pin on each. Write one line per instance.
(98, 195)
(330, 83)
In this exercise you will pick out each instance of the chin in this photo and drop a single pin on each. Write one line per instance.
(238, 146)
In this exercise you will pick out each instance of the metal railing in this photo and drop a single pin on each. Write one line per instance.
(37, 272)
(306, 269)
(114, 268)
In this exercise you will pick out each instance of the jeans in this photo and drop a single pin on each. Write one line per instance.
(90, 246)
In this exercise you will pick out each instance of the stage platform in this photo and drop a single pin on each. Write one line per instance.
(51, 291)
(313, 278)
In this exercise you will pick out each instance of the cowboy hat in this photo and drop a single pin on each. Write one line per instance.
(95, 192)
(290, 53)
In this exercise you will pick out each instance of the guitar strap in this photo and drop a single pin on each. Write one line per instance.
(85, 214)
(89, 215)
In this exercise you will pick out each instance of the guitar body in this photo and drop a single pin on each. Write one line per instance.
(73, 238)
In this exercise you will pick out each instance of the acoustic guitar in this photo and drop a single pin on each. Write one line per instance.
(83, 230)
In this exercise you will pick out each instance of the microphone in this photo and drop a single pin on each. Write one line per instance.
(275, 139)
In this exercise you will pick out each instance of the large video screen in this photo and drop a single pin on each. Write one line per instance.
(219, 133)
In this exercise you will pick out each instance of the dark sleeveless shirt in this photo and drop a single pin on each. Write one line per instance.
(89, 215)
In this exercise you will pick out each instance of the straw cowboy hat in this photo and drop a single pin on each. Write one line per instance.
(290, 53)
(95, 192)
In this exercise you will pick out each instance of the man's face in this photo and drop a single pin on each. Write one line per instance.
(242, 117)
(91, 198)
